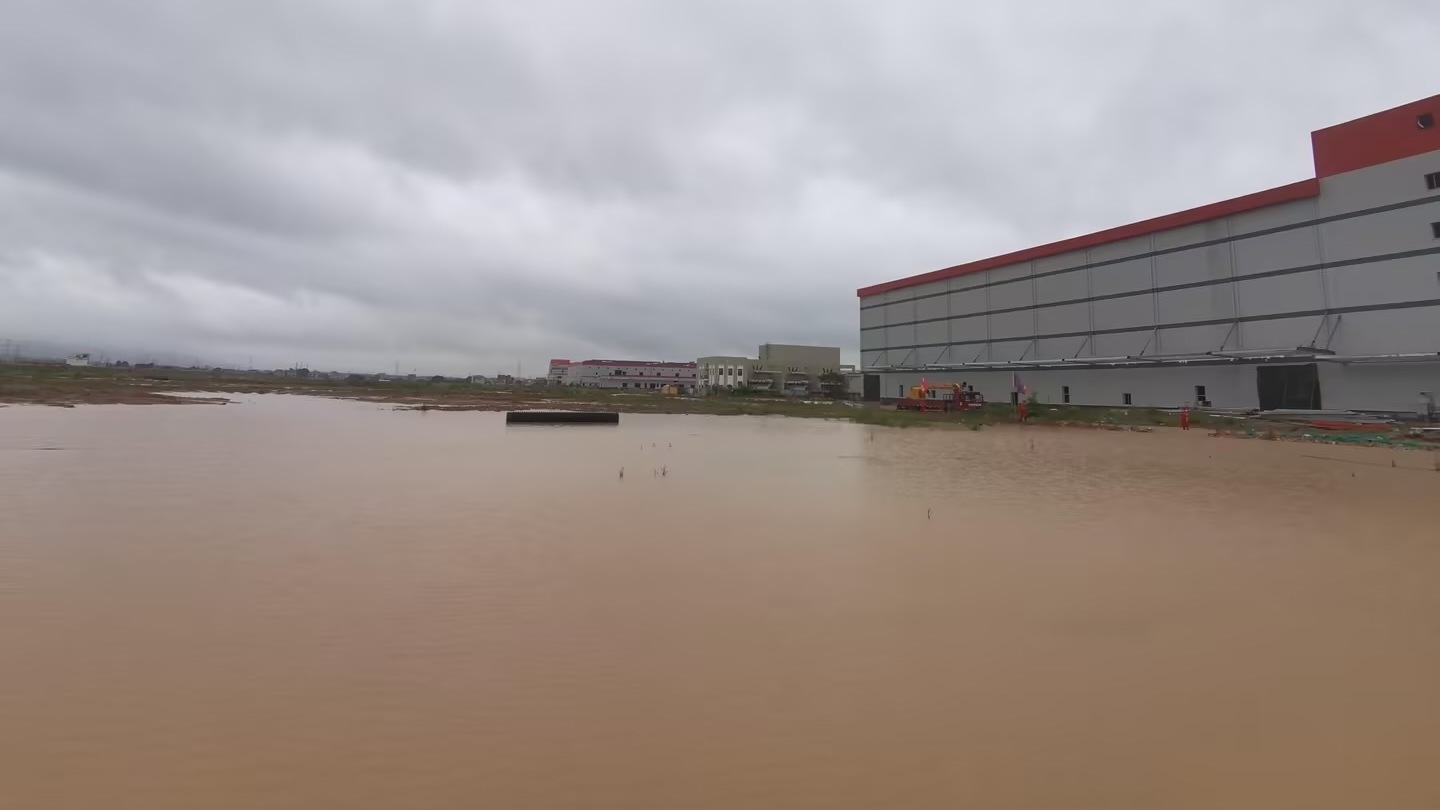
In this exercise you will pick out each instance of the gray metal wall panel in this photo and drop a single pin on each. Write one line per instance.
(1370, 386)
(931, 288)
(1280, 294)
(967, 303)
(1379, 234)
(1066, 318)
(1284, 333)
(1396, 281)
(1225, 386)
(903, 312)
(1122, 344)
(935, 332)
(872, 339)
(1197, 304)
(966, 353)
(964, 330)
(868, 359)
(1274, 216)
(1196, 264)
(1396, 181)
(1062, 287)
(1012, 325)
(1360, 386)
(1120, 250)
(1058, 348)
(927, 355)
(969, 280)
(1074, 258)
(1388, 332)
(872, 317)
(1197, 339)
(1010, 295)
(1188, 235)
(899, 335)
(1124, 277)
(1116, 313)
(1184, 267)
(1276, 251)
(1010, 350)
(927, 308)
(1009, 272)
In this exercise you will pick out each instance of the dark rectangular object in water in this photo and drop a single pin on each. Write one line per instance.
(562, 418)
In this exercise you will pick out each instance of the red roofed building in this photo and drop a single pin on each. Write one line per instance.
(644, 375)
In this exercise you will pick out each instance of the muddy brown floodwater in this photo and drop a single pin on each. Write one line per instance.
(301, 603)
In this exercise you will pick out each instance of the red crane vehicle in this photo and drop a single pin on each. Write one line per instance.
(941, 397)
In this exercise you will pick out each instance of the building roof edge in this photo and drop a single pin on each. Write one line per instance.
(1291, 192)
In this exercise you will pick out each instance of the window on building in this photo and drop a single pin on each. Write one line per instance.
(1199, 395)
(1065, 394)
(1435, 229)
(1127, 399)
(624, 385)
(1432, 181)
(902, 390)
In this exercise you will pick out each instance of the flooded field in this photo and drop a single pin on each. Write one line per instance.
(294, 603)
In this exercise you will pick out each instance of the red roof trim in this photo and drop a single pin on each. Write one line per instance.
(1304, 189)
(1388, 135)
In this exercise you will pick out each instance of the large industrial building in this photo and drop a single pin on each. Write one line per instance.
(1321, 293)
(628, 374)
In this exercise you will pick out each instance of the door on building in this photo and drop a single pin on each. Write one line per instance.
(872, 388)
(1288, 386)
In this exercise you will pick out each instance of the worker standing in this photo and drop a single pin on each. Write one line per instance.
(1184, 417)
(1024, 411)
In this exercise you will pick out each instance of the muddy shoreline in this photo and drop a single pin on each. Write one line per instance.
(60, 386)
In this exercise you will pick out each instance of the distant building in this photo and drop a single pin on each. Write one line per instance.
(780, 368)
(78, 360)
(632, 374)
(559, 372)
(504, 379)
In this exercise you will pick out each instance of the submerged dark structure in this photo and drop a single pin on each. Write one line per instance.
(562, 418)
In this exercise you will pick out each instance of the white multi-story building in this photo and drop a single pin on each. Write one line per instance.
(632, 374)
(1321, 293)
(723, 372)
(559, 372)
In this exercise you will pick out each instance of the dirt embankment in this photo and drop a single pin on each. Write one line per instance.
(66, 387)
(67, 392)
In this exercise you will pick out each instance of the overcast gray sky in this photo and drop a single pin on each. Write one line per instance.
(455, 185)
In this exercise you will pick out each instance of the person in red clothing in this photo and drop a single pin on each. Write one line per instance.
(1024, 411)
(1184, 417)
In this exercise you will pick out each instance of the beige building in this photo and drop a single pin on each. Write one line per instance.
(723, 372)
(780, 368)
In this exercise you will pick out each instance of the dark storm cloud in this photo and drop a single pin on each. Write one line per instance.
(458, 185)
